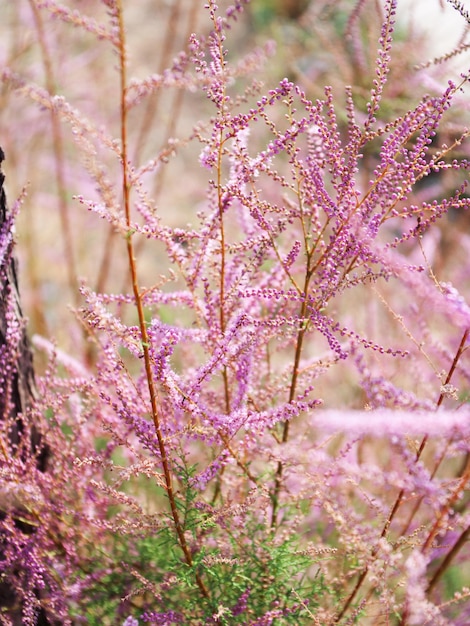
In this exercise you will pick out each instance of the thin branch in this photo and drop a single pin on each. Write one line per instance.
(140, 311)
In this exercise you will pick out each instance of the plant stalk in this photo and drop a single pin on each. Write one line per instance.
(140, 311)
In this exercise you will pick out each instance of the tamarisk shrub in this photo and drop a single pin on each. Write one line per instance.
(261, 415)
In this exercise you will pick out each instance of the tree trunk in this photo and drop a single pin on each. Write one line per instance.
(17, 392)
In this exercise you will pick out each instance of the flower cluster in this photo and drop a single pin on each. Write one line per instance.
(257, 412)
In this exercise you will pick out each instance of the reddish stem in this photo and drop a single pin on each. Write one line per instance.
(140, 311)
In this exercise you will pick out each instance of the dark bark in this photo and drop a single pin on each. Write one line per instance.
(17, 391)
